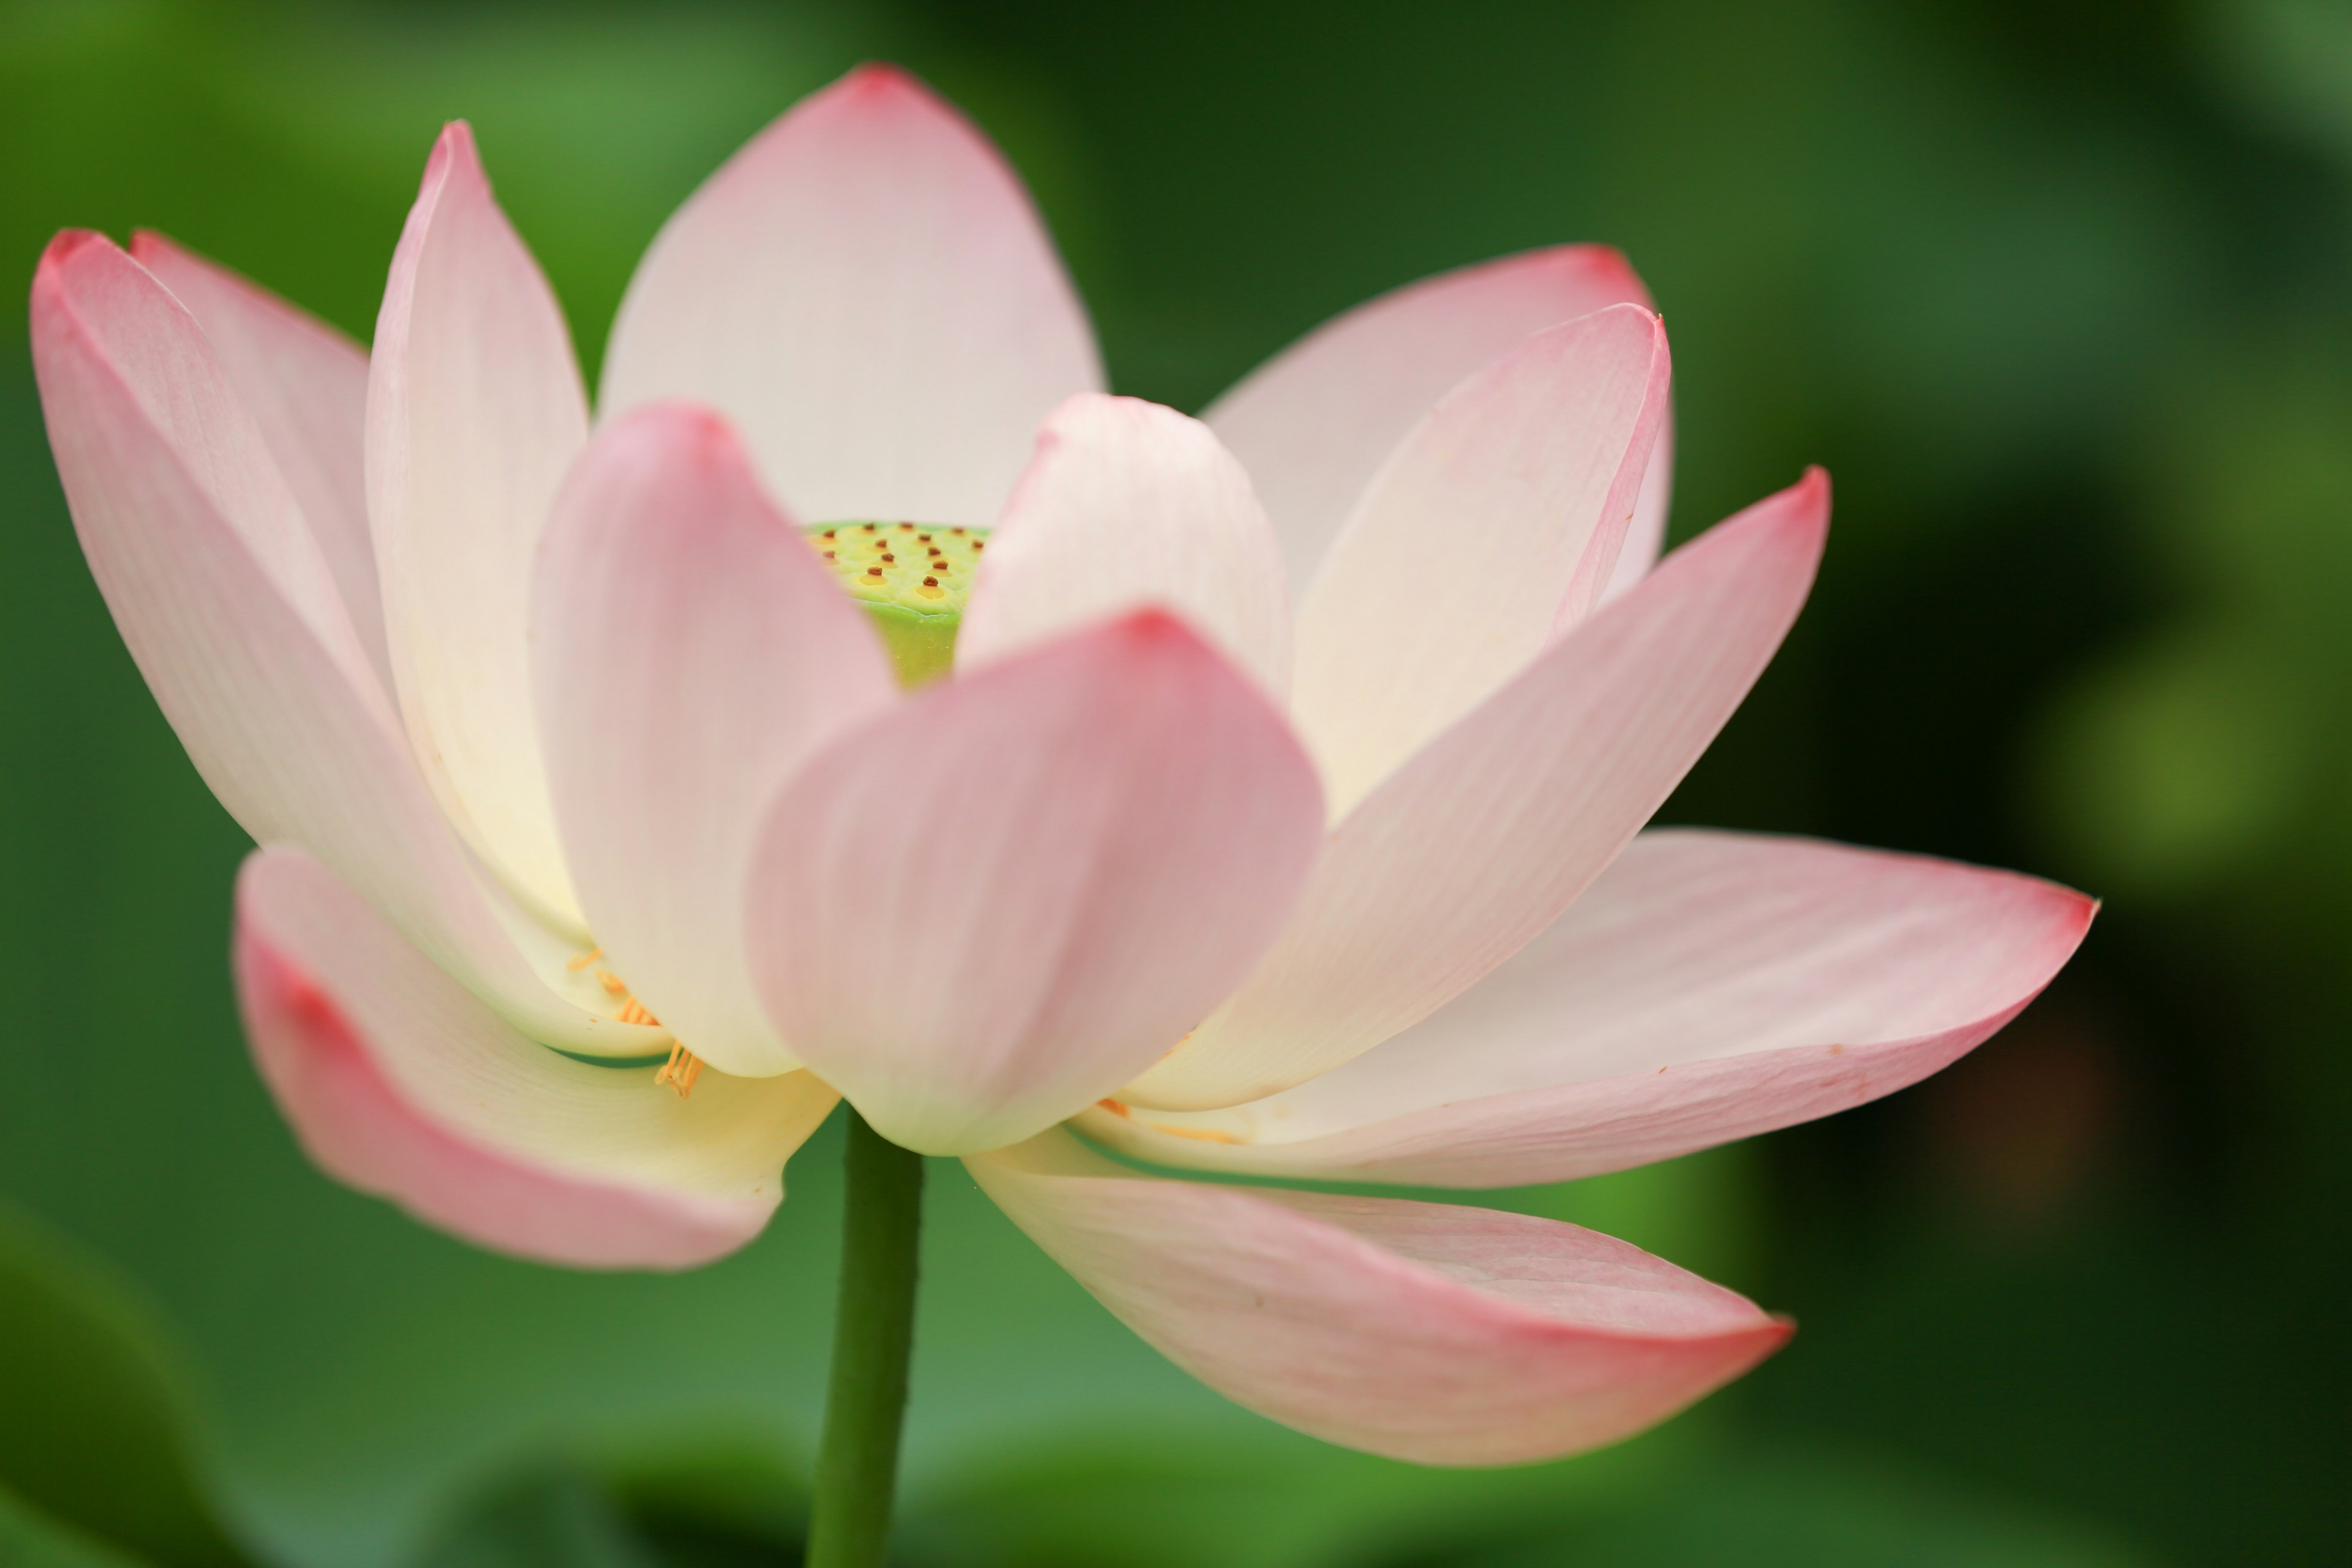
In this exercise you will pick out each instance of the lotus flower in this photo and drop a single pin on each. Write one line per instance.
(629, 789)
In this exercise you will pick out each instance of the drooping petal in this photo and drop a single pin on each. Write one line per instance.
(1127, 504)
(998, 903)
(867, 292)
(226, 604)
(305, 384)
(692, 652)
(475, 411)
(1710, 986)
(1315, 423)
(1423, 1332)
(1478, 844)
(1492, 528)
(400, 1082)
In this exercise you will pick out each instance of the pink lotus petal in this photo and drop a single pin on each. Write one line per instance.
(998, 903)
(1422, 1332)
(305, 384)
(1313, 424)
(1495, 525)
(1710, 986)
(692, 652)
(401, 1084)
(1128, 504)
(867, 292)
(475, 411)
(227, 605)
(1478, 843)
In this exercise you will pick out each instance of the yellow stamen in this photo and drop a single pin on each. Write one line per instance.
(585, 959)
(680, 1072)
(1204, 1134)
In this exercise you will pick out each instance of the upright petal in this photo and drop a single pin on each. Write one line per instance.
(1493, 527)
(1478, 844)
(305, 384)
(475, 411)
(403, 1084)
(1315, 423)
(226, 602)
(1422, 1332)
(1708, 987)
(998, 903)
(692, 652)
(1128, 504)
(866, 292)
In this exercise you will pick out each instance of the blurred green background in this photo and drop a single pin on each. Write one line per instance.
(2061, 290)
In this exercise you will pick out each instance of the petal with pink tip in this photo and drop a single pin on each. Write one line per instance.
(1315, 423)
(305, 384)
(867, 292)
(1493, 527)
(1423, 1332)
(401, 1083)
(1710, 986)
(1478, 844)
(1128, 504)
(692, 652)
(475, 411)
(993, 905)
(230, 610)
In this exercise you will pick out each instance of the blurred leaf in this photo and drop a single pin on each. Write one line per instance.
(91, 1428)
(1813, 1509)
(29, 1539)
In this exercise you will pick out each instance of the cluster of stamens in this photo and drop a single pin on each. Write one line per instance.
(684, 1067)
(926, 570)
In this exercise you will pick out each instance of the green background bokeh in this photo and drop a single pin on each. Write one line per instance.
(2061, 292)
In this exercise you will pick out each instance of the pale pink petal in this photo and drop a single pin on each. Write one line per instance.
(692, 652)
(400, 1082)
(1128, 504)
(1645, 535)
(1480, 841)
(1423, 1332)
(1708, 987)
(867, 292)
(475, 411)
(226, 602)
(305, 384)
(1494, 526)
(993, 905)
(1313, 424)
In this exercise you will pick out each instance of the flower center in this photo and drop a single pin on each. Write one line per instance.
(912, 579)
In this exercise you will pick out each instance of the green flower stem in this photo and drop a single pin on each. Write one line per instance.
(873, 1333)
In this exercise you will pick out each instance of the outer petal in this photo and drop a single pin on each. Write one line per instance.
(1480, 842)
(1423, 1332)
(1315, 423)
(225, 601)
(305, 384)
(997, 904)
(401, 1083)
(867, 292)
(1708, 987)
(475, 410)
(1128, 503)
(1496, 525)
(692, 653)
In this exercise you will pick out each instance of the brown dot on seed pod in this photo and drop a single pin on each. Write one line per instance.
(977, 545)
(874, 571)
(890, 558)
(868, 526)
(931, 582)
(907, 527)
(831, 553)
